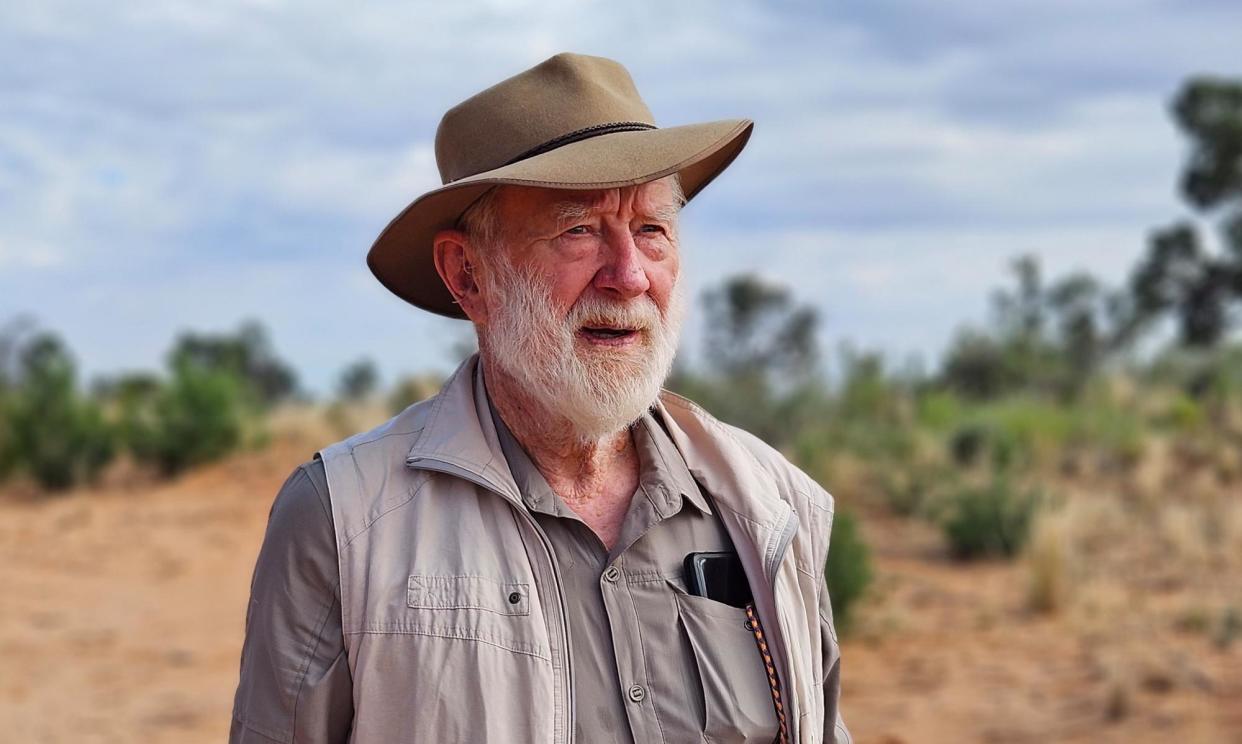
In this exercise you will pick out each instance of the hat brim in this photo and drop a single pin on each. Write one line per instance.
(402, 256)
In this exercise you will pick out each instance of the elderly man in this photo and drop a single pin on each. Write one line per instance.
(551, 549)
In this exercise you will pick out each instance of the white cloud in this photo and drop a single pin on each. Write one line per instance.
(205, 161)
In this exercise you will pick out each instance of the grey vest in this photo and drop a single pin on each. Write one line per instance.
(450, 599)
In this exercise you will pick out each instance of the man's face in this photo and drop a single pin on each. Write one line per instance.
(582, 301)
(617, 245)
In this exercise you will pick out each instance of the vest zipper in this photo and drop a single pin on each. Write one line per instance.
(448, 468)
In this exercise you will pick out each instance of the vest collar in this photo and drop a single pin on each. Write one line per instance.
(458, 430)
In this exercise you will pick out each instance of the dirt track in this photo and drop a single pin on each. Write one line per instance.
(123, 609)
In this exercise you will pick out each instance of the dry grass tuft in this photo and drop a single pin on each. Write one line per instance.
(317, 424)
(1050, 561)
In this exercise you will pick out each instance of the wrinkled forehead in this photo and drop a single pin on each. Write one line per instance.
(653, 199)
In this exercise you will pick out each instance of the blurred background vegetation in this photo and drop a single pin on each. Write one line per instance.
(1076, 410)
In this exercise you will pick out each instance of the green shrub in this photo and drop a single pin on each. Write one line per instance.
(848, 571)
(967, 443)
(908, 490)
(1026, 428)
(1183, 415)
(247, 355)
(992, 520)
(8, 450)
(51, 430)
(938, 410)
(197, 416)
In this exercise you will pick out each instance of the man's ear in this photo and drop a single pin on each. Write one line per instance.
(456, 262)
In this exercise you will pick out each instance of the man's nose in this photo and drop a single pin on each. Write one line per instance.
(623, 273)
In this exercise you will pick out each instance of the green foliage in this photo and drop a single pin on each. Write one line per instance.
(848, 571)
(1183, 414)
(1209, 112)
(50, 430)
(911, 491)
(206, 408)
(992, 520)
(246, 355)
(1208, 376)
(11, 335)
(358, 380)
(1178, 275)
(1012, 433)
(755, 329)
(938, 410)
(198, 416)
(1078, 306)
(867, 390)
(8, 449)
(968, 444)
(762, 358)
(1044, 339)
(977, 367)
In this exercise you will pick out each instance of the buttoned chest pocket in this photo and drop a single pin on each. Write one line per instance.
(467, 593)
(737, 699)
(478, 608)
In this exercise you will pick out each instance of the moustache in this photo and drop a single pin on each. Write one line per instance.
(640, 314)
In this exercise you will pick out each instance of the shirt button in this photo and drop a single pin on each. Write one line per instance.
(637, 693)
(612, 573)
(514, 598)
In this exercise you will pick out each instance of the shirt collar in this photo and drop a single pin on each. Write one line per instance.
(662, 470)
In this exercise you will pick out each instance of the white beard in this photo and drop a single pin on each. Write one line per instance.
(599, 390)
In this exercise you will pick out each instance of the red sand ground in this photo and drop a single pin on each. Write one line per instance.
(123, 607)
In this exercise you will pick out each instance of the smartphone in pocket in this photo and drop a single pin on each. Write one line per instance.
(718, 576)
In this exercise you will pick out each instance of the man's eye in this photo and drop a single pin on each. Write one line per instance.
(652, 228)
(579, 230)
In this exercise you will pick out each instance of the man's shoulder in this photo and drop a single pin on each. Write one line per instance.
(355, 467)
(402, 426)
(303, 495)
(300, 527)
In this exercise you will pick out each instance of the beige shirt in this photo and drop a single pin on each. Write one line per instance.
(636, 673)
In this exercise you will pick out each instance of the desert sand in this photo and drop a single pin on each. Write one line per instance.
(124, 603)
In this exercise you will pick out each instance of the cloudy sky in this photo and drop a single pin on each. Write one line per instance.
(185, 165)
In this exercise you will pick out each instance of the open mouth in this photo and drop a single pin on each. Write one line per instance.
(606, 333)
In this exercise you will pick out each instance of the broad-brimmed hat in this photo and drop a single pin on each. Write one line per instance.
(571, 122)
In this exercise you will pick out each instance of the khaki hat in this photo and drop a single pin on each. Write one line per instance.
(570, 122)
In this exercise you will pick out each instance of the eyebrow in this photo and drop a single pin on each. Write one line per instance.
(571, 211)
(666, 213)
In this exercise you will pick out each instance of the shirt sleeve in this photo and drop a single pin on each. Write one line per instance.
(295, 685)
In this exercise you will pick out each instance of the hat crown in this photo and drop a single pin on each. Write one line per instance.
(564, 95)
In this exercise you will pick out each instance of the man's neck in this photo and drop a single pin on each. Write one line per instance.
(592, 477)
